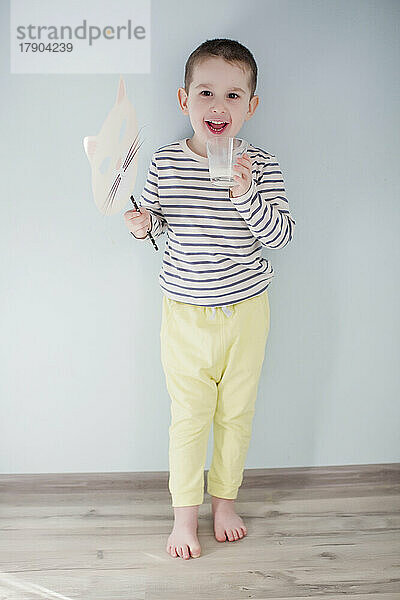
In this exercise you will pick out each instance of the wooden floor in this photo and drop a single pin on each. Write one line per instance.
(312, 533)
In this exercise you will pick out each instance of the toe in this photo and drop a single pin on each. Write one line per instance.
(235, 534)
(219, 534)
(185, 552)
(240, 533)
(230, 535)
(195, 551)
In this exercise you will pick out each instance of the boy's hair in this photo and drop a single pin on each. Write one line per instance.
(231, 50)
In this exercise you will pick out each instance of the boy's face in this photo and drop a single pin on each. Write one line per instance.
(212, 96)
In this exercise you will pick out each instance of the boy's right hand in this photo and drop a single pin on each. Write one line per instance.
(138, 223)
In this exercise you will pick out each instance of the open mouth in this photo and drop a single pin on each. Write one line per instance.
(216, 128)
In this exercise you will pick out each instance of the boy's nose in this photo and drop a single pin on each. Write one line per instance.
(218, 114)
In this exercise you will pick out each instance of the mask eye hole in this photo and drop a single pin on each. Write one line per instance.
(122, 130)
(103, 168)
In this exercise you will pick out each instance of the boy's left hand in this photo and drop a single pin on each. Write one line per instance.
(243, 176)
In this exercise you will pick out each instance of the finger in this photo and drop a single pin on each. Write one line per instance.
(136, 215)
(141, 232)
(241, 169)
(244, 161)
(238, 179)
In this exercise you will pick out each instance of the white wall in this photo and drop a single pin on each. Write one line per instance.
(81, 381)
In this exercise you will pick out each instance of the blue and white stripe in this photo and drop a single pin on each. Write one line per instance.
(213, 248)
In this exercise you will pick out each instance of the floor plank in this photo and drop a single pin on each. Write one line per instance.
(330, 532)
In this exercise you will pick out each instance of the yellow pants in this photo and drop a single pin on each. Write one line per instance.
(212, 364)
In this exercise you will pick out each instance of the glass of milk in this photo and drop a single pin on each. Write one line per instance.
(222, 154)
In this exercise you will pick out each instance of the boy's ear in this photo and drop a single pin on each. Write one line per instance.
(182, 99)
(252, 107)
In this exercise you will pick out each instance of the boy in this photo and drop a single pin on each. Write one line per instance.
(215, 312)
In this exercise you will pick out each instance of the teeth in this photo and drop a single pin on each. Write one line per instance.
(217, 122)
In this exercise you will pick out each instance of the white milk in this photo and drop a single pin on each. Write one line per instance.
(221, 176)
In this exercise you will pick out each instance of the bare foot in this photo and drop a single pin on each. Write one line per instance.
(227, 524)
(183, 540)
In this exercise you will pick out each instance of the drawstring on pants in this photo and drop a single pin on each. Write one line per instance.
(226, 310)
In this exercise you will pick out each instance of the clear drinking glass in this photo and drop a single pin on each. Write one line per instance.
(222, 153)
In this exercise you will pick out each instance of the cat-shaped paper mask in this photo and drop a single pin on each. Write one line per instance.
(113, 155)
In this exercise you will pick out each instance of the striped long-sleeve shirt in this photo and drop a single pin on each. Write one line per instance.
(212, 253)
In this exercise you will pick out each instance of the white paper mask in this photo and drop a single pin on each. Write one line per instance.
(113, 155)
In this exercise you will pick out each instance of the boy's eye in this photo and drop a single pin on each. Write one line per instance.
(230, 93)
